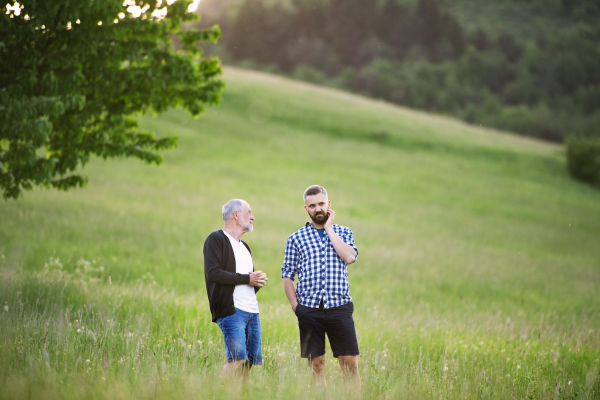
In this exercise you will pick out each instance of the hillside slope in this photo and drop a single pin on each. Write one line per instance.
(429, 198)
(470, 240)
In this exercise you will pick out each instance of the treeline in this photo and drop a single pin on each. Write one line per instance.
(420, 56)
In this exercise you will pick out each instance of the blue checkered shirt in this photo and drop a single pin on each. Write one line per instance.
(322, 274)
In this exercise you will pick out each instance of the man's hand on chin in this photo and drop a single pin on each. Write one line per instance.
(330, 218)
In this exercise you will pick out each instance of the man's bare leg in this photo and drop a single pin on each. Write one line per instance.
(318, 366)
(235, 369)
(349, 365)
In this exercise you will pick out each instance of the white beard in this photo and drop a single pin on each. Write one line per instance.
(248, 227)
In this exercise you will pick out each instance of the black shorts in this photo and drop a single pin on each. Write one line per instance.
(336, 322)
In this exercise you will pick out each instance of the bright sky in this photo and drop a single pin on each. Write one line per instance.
(132, 8)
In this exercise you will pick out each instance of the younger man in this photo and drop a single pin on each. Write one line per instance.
(319, 253)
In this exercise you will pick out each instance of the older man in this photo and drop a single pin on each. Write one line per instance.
(231, 285)
(319, 254)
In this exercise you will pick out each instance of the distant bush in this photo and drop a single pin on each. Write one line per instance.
(583, 159)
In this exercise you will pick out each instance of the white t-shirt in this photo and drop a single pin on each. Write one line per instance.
(244, 296)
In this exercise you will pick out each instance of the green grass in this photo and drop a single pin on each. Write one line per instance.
(477, 277)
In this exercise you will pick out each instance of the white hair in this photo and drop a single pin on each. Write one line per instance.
(230, 207)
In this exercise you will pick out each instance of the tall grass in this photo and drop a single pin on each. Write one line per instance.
(72, 335)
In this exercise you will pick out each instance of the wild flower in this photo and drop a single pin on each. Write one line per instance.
(6, 308)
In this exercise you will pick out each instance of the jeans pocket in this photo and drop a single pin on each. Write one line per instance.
(296, 310)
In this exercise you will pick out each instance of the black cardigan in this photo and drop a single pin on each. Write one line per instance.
(219, 274)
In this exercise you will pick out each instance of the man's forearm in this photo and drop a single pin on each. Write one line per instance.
(290, 292)
(343, 250)
(221, 277)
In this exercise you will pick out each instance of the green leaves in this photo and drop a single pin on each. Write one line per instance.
(73, 74)
(190, 38)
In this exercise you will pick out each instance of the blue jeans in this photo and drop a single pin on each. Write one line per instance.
(241, 332)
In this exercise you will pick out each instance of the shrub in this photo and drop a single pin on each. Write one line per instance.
(583, 159)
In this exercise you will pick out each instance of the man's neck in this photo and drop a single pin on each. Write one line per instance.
(235, 231)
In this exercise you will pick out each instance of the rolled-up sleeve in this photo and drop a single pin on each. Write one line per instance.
(348, 238)
(291, 260)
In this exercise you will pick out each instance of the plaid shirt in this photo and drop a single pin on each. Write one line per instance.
(321, 273)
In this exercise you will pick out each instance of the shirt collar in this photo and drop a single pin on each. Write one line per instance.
(231, 237)
(309, 225)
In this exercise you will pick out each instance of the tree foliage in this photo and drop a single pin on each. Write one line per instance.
(73, 73)
(428, 54)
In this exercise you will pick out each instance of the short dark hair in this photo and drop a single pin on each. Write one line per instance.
(314, 189)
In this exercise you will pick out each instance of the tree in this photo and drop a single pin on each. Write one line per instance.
(74, 73)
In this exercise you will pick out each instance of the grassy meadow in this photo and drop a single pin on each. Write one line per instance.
(478, 274)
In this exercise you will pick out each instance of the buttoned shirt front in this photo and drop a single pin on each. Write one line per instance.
(322, 274)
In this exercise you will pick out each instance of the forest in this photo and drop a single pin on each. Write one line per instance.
(527, 66)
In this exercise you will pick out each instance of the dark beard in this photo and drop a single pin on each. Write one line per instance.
(319, 218)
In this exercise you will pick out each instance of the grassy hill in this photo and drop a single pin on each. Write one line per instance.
(478, 271)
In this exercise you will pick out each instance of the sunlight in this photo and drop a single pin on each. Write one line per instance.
(194, 6)
(158, 13)
(132, 8)
(16, 9)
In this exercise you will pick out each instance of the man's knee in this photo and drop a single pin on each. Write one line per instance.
(317, 363)
(348, 363)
